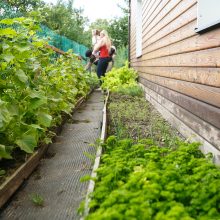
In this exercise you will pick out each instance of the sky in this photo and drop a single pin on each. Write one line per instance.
(94, 9)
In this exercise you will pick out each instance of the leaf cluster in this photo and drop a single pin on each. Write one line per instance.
(67, 21)
(35, 88)
(145, 181)
(123, 77)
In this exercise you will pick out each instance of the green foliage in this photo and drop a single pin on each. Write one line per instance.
(130, 116)
(123, 77)
(24, 6)
(122, 57)
(37, 199)
(131, 91)
(2, 172)
(92, 79)
(99, 24)
(118, 31)
(67, 21)
(144, 181)
(35, 88)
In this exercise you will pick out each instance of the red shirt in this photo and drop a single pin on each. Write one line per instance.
(103, 52)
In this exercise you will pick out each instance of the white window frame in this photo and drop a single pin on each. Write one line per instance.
(138, 28)
(208, 15)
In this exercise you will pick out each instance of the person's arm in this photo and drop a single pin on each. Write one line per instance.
(88, 65)
(97, 46)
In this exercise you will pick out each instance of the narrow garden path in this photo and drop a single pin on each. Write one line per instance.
(57, 178)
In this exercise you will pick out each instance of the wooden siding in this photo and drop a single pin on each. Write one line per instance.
(179, 68)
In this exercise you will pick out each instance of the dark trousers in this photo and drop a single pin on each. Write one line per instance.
(102, 66)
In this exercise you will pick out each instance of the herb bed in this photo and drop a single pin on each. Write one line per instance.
(151, 173)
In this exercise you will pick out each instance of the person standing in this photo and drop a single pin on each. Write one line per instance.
(103, 46)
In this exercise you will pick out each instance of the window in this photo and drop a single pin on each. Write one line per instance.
(208, 15)
(139, 28)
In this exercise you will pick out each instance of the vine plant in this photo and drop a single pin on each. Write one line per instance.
(35, 88)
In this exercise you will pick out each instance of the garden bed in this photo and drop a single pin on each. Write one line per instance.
(148, 171)
(133, 117)
(23, 164)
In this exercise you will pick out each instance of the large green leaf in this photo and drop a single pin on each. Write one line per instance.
(3, 65)
(8, 57)
(8, 32)
(36, 94)
(21, 48)
(36, 103)
(28, 141)
(4, 152)
(5, 46)
(37, 99)
(7, 21)
(13, 109)
(2, 172)
(44, 119)
(36, 126)
(5, 116)
(22, 76)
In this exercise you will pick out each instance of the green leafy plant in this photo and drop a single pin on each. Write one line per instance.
(121, 78)
(35, 88)
(2, 172)
(145, 181)
(135, 90)
(147, 172)
(37, 199)
(121, 57)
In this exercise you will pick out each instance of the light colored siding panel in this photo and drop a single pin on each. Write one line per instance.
(177, 59)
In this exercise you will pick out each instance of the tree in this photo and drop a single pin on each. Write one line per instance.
(118, 30)
(24, 6)
(67, 21)
(99, 24)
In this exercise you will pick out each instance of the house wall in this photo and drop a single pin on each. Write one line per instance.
(180, 69)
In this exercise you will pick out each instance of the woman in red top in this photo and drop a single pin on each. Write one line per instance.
(103, 46)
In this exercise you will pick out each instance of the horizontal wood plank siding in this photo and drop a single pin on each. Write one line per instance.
(206, 76)
(166, 109)
(179, 65)
(207, 112)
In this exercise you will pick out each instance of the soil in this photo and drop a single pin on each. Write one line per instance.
(134, 117)
(10, 166)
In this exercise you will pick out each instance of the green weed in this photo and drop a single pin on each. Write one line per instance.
(37, 199)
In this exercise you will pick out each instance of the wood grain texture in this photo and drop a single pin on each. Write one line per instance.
(191, 44)
(210, 133)
(202, 110)
(202, 58)
(177, 12)
(205, 76)
(182, 33)
(157, 19)
(150, 12)
(187, 132)
(148, 8)
(210, 95)
(162, 31)
(180, 68)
